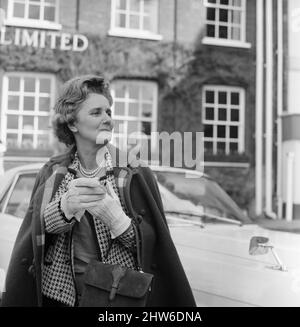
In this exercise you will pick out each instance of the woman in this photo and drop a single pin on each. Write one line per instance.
(73, 218)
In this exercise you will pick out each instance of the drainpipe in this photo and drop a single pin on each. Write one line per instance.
(77, 14)
(175, 35)
(289, 186)
(269, 110)
(259, 108)
(279, 104)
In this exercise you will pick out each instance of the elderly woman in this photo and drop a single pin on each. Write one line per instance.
(73, 218)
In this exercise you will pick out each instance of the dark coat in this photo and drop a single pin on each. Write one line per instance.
(142, 198)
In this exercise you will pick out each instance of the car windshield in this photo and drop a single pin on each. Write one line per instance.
(199, 197)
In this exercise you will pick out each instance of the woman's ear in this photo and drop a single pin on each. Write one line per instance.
(72, 127)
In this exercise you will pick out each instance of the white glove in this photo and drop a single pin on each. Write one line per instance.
(82, 193)
(110, 212)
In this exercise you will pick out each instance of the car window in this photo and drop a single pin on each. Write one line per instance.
(197, 195)
(20, 196)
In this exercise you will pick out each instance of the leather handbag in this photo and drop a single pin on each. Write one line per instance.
(113, 285)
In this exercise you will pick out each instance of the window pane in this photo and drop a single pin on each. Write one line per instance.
(221, 147)
(119, 109)
(236, 17)
(235, 33)
(209, 113)
(14, 84)
(223, 32)
(43, 123)
(29, 84)
(222, 114)
(11, 141)
(121, 20)
(43, 141)
(121, 4)
(210, 96)
(135, 5)
(211, 14)
(119, 126)
(19, 10)
(45, 85)
(133, 109)
(222, 97)
(147, 110)
(12, 121)
(133, 126)
(235, 115)
(236, 3)
(28, 123)
(223, 15)
(208, 146)
(44, 104)
(34, 12)
(134, 22)
(224, 2)
(146, 128)
(49, 14)
(133, 91)
(208, 130)
(235, 98)
(233, 147)
(20, 197)
(29, 103)
(221, 131)
(147, 24)
(13, 102)
(210, 30)
(147, 92)
(119, 90)
(27, 141)
(233, 132)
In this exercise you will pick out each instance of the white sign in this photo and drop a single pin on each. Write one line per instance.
(41, 39)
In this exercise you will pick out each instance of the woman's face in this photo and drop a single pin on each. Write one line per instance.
(93, 117)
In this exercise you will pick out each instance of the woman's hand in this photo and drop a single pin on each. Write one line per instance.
(82, 194)
(110, 212)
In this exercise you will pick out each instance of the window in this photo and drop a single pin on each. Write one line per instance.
(226, 22)
(134, 109)
(135, 18)
(223, 119)
(26, 103)
(19, 195)
(33, 13)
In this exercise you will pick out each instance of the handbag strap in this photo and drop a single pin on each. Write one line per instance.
(137, 241)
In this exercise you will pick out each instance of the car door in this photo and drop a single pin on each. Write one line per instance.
(13, 207)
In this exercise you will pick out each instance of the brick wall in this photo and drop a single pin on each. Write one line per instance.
(67, 14)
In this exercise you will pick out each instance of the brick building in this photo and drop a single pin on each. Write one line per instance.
(174, 65)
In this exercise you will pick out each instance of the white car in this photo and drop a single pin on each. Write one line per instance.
(229, 260)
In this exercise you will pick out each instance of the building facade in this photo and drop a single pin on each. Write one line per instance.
(174, 65)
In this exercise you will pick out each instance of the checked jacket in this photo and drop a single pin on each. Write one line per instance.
(57, 268)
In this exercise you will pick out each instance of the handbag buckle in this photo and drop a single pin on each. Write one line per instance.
(117, 273)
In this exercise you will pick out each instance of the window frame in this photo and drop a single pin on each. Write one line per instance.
(34, 113)
(29, 22)
(242, 43)
(126, 118)
(216, 122)
(130, 32)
